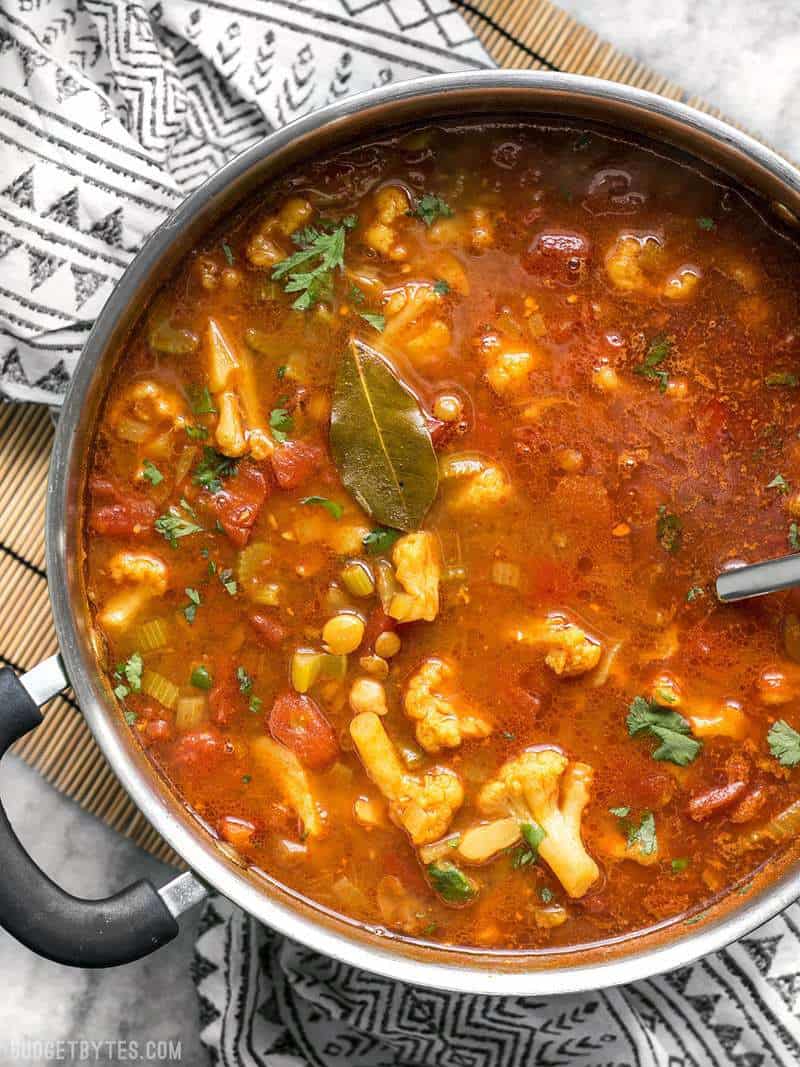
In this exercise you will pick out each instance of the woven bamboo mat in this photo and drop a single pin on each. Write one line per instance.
(517, 33)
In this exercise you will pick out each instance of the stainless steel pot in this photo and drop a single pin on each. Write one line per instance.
(140, 919)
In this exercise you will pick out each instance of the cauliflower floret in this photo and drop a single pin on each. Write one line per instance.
(623, 262)
(263, 250)
(231, 378)
(443, 719)
(487, 488)
(146, 413)
(416, 563)
(541, 786)
(413, 322)
(424, 807)
(570, 650)
(146, 576)
(473, 229)
(368, 694)
(283, 769)
(391, 204)
(508, 367)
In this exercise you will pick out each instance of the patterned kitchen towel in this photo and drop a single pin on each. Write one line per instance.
(112, 111)
(268, 1002)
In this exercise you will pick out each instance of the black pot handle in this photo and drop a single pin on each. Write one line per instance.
(33, 909)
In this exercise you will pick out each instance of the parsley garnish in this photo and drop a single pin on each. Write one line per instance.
(672, 730)
(152, 473)
(129, 676)
(200, 401)
(779, 483)
(429, 208)
(695, 592)
(377, 322)
(379, 540)
(669, 530)
(705, 223)
(227, 579)
(782, 378)
(244, 680)
(440, 287)
(322, 501)
(660, 348)
(784, 743)
(172, 526)
(325, 246)
(794, 536)
(228, 251)
(281, 423)
(451, 883)
(533, 835)
(213, 467)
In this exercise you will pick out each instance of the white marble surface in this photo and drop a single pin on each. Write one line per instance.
(742, 55)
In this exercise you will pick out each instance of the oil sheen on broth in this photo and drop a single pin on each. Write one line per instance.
(403, 516)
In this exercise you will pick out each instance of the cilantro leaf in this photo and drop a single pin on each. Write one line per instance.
(200, 401)
(196, 433)
(451, 883)
(779, 483)
(621, 813)
(228, 252)
(545, 895)
(379, 540)
(430, 207)
(377, 322)
(326, 246)
(173, 526)
(669, 530)
(129, 676)
(228, 581)
(213, 467)
(671, 729)
(659, 349)
(695, 592)
(281, 423)
(152, 473)
(705, 223)
(440, 287)
(643, 835)
(244, 680)
(322, 501)
(679, 865)
(784, 743)
(533, 835)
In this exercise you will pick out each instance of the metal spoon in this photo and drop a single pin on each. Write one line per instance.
(756, 579)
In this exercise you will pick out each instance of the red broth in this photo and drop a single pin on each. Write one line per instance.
(522, 719)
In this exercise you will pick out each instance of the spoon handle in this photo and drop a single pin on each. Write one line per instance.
(756, 579)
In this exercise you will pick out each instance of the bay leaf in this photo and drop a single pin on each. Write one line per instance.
(380, 441)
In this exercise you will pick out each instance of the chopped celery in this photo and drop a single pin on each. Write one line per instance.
(190, 712)
(385, 582)
(152, 635)
(358, 579)
(305, 669)
(161, 689)
(266, 593)
(251, 560)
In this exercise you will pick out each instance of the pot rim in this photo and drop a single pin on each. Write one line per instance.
(549, 93)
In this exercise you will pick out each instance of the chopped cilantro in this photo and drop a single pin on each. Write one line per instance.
(247, 778)
(784, 743)
(281, 423)
(213, 467)
(190, 611)
(779, 483)
(621, 813)
(658, 350)
(545, 895)
(173, 526)
(705, 223)
(200, 401)
(196, 433)
(782, 378)
(669, 530)
(152, 473)
(280, 373)
(679, 864)
(228, 581)
(130, 717)
(379, 540)
(440, 287)
(451, 883)
(129, 676)
(644, 835)
(377, 322)
(200, 678)
(244, 680)
(228, 251)
(671, 729)
(695, 592)
(429, 208)
(255, 704)
(533, 835)
(326, 246)
(322, 501)
(356, 295)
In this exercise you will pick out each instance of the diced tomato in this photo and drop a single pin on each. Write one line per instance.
(158, 730)
(240, 500)
(294, 463)
(268, 630)
(225, 699)
(198, 747)
(378, 623)
(237, 832)
(558, 257)
(298, 722)
(116, 513)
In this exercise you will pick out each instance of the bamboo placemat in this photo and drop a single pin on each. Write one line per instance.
(517, 33)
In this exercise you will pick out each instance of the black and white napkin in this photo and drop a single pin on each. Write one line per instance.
(110, 112)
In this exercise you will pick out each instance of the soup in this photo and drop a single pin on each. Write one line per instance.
(403, 516)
